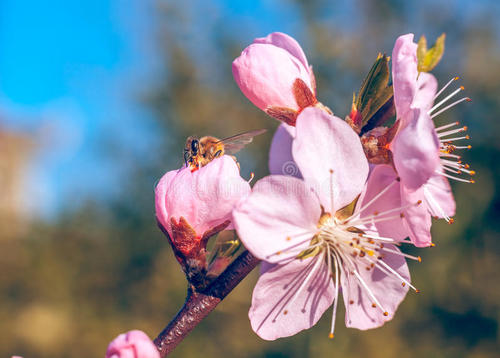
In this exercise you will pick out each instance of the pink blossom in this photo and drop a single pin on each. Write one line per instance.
(204, 198)
(273, 73)
(423, 154)
(310, 250)
(133, 344)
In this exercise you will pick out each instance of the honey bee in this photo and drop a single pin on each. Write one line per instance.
(200, 152)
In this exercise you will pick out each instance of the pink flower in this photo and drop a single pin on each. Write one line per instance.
(309, 247)
(191, 207)
(204, 198)
(423, 155)
(273, 73)
(133, 344)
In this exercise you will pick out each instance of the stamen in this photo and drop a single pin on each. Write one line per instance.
(331, 189)
(371, 201)
(446, 86)
(334, 314)
(447, 126)
(455, 178)
(252, 175)
(416, 258)
(365, 286)
(453, 131)
(381, 262)
(319, 261)
(451, 105)
(294, 245)
(454, 93)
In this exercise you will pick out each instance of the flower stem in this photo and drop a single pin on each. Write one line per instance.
(199, 304)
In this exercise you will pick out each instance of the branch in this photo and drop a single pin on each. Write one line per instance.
(199, 304)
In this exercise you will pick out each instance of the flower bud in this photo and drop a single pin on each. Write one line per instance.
(274, 74)
(133, 344)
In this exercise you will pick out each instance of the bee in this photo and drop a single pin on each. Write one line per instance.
(200, 152)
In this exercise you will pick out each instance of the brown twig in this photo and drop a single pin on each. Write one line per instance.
(199, 304)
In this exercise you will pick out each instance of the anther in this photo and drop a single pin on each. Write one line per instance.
(398, 179)
(351, 302)
(331, 171)
(403, 284)
(419, 202)
(419, 259)
(288, 238)
(402, 215)
(386, 313)
(472, 181)
(468, 99)
(252, 175)
(331, 335)
(417, 290)
(451, 221)
(462, 88)
(285, 312)
(433, 244)
(374, 305)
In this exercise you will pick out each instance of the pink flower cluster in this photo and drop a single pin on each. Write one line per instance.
(330, 219)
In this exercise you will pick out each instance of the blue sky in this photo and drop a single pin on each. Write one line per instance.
(70, 73)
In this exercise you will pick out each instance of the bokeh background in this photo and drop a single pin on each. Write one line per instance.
(96, 100)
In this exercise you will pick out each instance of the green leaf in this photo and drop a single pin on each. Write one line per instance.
(347, 210)
(310, 252)
(374, 91)
(429, 58)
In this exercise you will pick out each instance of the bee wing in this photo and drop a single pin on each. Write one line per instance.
(235, 143)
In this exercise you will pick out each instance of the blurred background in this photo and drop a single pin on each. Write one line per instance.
(96, 100)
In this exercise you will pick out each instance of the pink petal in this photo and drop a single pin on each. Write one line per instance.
(439, 197)
(387, 289)
(416, 150)
(426, 91)
(133, 344)
(280, 154)
(382, 177)
(280, 213)
(279, 308)
(417, 218)
(285, 42)
(324, 143)
(205, 198)
(266, 73)
(404, 74)
(160, 196)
